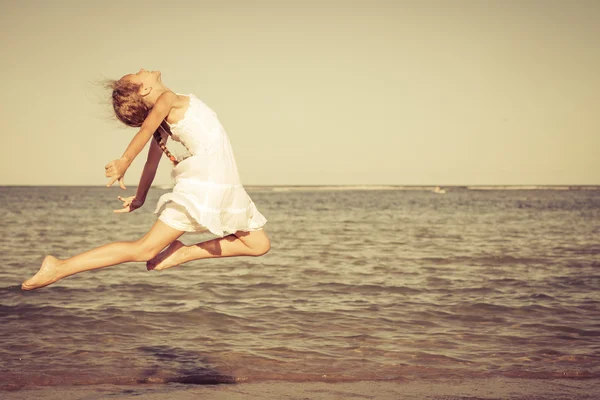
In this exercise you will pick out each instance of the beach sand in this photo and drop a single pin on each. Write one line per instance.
(473, 389)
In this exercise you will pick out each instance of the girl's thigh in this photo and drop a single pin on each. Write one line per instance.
(160, 236)
(253, 239)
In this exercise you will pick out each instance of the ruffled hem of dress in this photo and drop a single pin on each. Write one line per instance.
(248, 219)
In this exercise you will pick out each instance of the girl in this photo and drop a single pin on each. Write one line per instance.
(207, 195)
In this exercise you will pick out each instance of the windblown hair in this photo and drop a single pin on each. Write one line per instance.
(132, 111)
(128, 103)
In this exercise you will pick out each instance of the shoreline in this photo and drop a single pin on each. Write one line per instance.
(447, 389)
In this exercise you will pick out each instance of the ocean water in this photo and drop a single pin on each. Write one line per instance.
(359, 285)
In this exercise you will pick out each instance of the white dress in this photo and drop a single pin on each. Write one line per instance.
(207, 194)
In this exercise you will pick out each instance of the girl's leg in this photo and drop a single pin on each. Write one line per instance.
(53, 269)
(241, 243)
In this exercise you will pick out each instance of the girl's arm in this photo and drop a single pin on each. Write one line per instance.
(154, 156)
(117, 168)
(134, 202)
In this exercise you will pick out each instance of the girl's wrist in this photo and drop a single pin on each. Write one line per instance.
(141, 193)
(126, 160)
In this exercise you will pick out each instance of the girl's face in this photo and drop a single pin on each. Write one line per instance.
(143, 77)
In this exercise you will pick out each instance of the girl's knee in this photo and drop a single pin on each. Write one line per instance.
(262, 247)
(144, 251)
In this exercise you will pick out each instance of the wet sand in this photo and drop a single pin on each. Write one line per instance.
(473, 389)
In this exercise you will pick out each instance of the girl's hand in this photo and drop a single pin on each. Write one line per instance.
(129, 204)
(115, 170)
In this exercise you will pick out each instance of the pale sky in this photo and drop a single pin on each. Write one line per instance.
(314, 92)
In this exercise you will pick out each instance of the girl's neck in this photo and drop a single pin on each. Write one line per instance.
(153, 96)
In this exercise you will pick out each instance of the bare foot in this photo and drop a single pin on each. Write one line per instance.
(170, 257)
(47, 274)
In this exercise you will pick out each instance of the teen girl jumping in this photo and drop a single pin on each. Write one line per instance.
(207, 195)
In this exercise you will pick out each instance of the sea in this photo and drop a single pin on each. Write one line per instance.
(360, 284)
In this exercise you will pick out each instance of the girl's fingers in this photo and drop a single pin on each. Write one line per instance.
(127, 204)
(112, 180)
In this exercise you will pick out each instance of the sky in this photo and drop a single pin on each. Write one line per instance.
(314, 92)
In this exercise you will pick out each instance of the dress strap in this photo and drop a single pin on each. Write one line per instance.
(161, 143)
